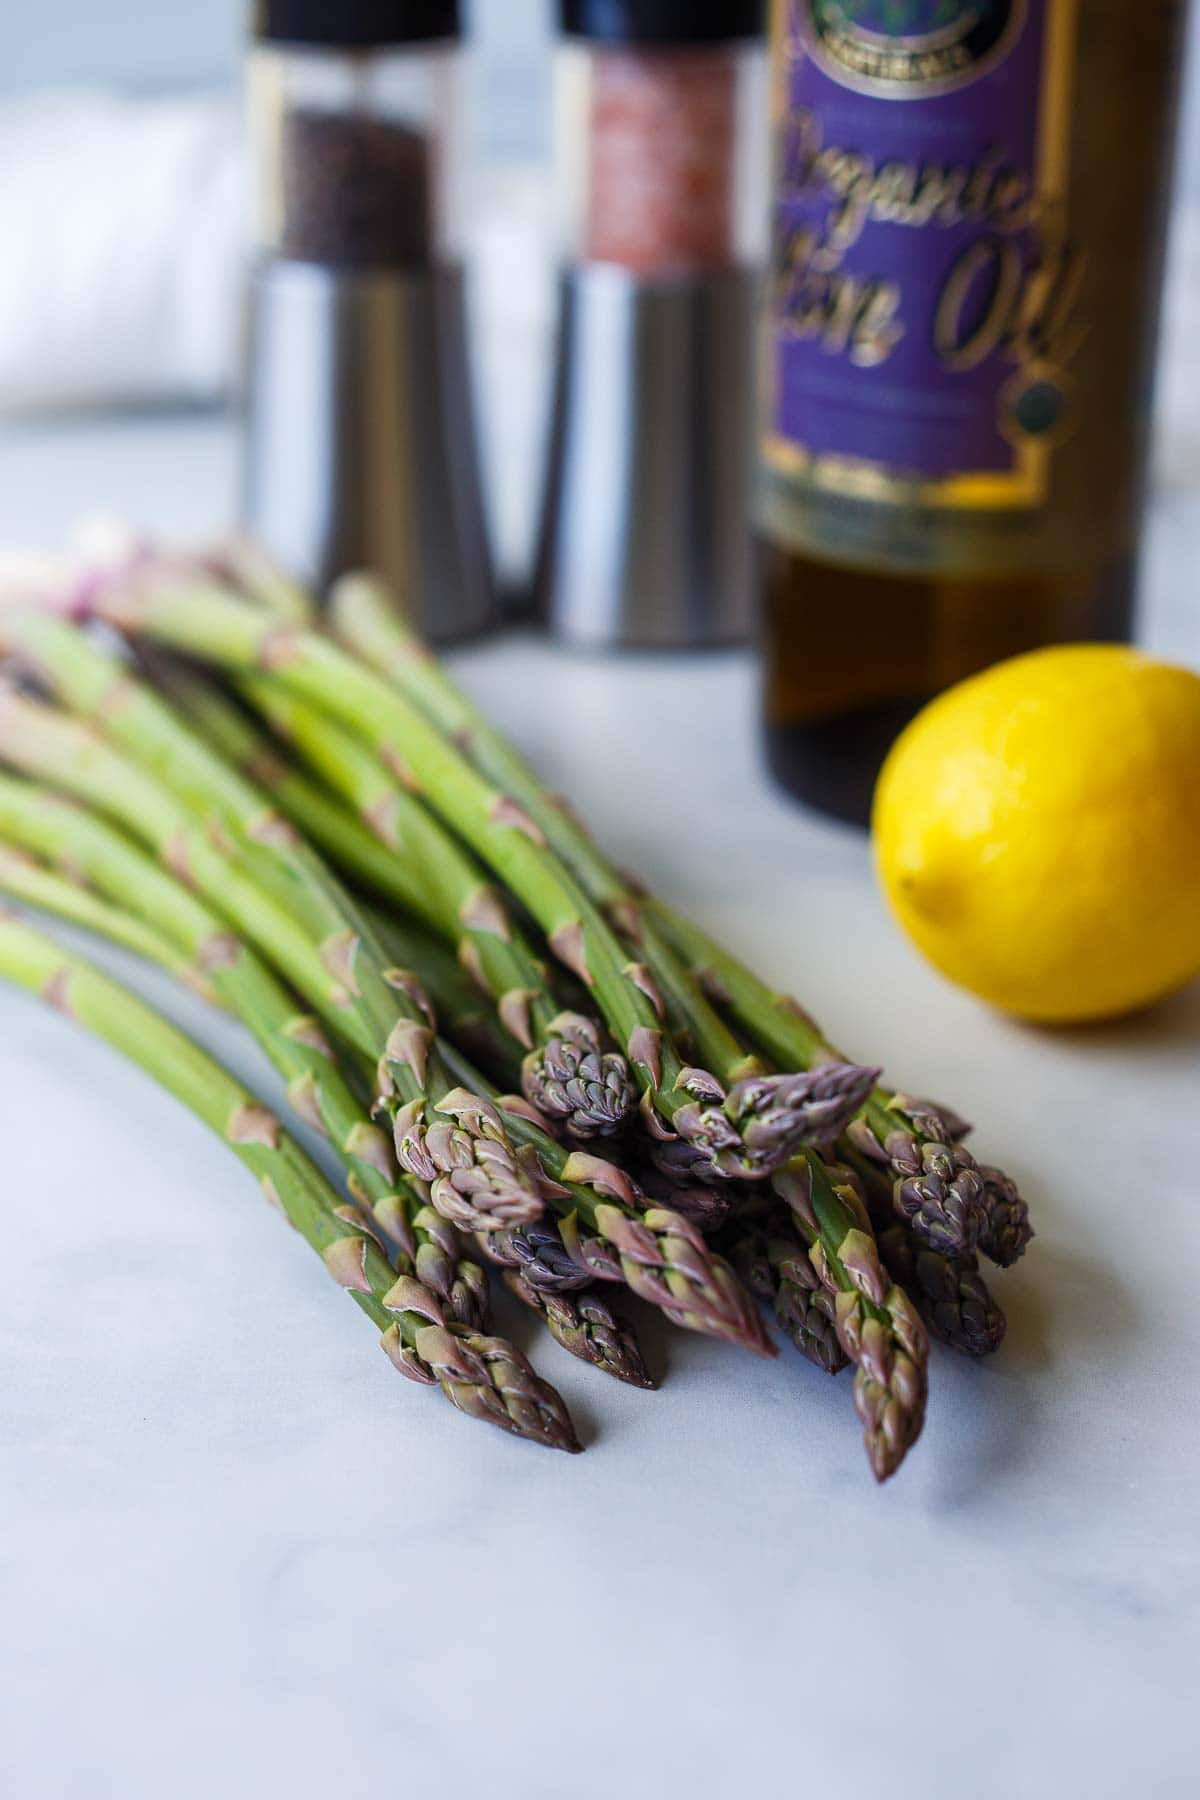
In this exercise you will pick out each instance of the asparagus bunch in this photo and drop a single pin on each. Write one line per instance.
(743, 1107)
(953, 1205)
(825, 1280)
(658, 1252)
(741, 1127)
(484, 1377)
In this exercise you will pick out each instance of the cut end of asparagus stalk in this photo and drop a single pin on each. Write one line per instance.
(575, 1082)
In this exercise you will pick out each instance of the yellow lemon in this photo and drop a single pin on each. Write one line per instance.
(1037, 832)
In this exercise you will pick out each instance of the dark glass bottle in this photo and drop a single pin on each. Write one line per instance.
(969, 216)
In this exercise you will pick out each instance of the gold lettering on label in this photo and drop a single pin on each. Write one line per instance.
(961, 349)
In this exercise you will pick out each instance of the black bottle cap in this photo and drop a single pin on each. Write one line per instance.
(663, 21)
(355, 24)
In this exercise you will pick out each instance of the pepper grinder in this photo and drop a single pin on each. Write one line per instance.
(360, 446)
(662, 146)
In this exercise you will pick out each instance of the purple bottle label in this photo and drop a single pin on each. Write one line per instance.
(923, 308)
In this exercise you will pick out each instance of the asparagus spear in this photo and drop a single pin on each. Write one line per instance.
(454, 1142)
(567, 1072)
(584, 1324)
(952, 1204)
(485, 1377)
(877, 1324)
(742, 1133)
(364, 616)
(176, 929)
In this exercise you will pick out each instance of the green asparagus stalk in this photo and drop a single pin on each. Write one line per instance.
(877, 1324)
(567, 1072)
(444, 1136)
(24, 878)
(484, 1377)
(952, 1204)
(585, 1325)
(367, 620)
(742, 1133)
(179, 931)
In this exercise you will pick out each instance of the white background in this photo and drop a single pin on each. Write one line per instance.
(240, 1557)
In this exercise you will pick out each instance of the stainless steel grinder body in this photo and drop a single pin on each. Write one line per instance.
(361, 449)
(645, 534)
(360, 436)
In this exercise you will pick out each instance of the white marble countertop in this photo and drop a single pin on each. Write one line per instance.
(237, 1556)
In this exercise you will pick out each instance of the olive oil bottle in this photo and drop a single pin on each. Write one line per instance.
(968, 225)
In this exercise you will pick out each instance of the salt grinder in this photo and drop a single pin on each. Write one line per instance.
(360, 438)
(662, 149)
